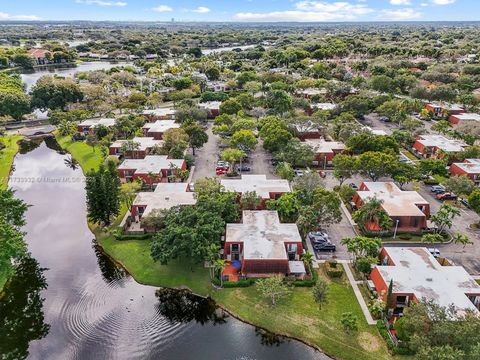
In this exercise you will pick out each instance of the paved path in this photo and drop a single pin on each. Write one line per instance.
(358, 294)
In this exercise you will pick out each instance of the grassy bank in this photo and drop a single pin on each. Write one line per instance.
(6, 157)
(296, 316)
(87, 156)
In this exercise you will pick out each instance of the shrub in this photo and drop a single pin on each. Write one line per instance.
(376, 308)
(122, 237)
(333, 270)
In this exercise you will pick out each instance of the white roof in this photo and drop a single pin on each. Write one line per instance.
(470, 166)
(160, 126)
(209, 105)
(165, 196)
(262, 235)
(450, 107)
(296, 267)
(321, 146)
(144, 142)
(313, 91)
(151, 163)
(160, 112)
(417, 271)
(468, 117)
(324, 106)
(95, 122)
(258, 183)
(395, 201)
(441, 142)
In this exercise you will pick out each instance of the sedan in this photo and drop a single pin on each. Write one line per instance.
(438, 189)
(243, 168)
(446, 196)
(298, 172)
(353, 186)
(325, 247)
(317, 234)
(220, 172)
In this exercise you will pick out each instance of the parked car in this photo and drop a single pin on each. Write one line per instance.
(325, 247)
(191, 186)
(438, 189)
(274, 162)
(220, 171)
(434, 251)
(299, 172)
(322, 174)
(446, 196)
(353, 186)
(243, 168)
(318, 237)
(384, 119)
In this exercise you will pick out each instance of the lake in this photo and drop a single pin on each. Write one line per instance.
(69, 301)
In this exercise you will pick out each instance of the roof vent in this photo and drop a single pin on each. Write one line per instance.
(429, 279)
(167, 198)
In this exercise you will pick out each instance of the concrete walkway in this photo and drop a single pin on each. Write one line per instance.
(358, 294)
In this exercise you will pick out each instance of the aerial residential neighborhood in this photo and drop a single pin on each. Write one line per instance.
(240, 180)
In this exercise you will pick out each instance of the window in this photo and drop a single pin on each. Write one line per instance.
(235, 248)
(291, 248)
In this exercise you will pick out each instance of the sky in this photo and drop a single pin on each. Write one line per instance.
(242, 10)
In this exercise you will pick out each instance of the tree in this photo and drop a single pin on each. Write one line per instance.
(296, 153)
(307, 258)
(432, 167)
(462, 239)
(128, 192)
(14, 103)
(197, 137)
(349, 322)
(443, 219)
(55, 93)
(363, 264)
(307, 219)
(208, 186)
(474, 201)
(306, 185)
(287, 207)
(182, 83)
(285, 171)
(130, 146)
(67, 128)
(362, 246)
(320, 292)
(219, 266)
(372, 214)
(327, 204)
(250, 201)
(375, 164)
(244, 139)
(103, 194)
(279, 102)
(232, 156)
(230, 107)
(23, 60)
(273, 288)
(175, 139)
(403, 173)
(461, 185)
(12, 219)
(362, 143)
(344, 167)
(155, 219)
(432, 238)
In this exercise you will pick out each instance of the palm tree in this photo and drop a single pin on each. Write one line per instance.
(307, 258)
(218, 266)
(372, 212)
(71, 163)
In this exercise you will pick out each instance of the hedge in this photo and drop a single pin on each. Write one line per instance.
(234, 284)
(124, 237)
(333, 271)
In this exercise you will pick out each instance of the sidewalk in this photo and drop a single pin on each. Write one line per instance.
(358, 294)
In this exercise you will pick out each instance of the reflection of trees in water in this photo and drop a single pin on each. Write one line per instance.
(183, 306)
(26, 145)
(21, 310)
(268, 338)
(52, 144)
(110, 271)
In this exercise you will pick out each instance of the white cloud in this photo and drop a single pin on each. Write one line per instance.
(311, 11)
(400, 2)
(102, 3)
(162, 8)
(5, 16)
(399, 15)
(442, 2)
(201, 10)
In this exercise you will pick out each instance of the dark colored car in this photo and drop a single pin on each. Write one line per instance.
(446, 196)
(353, 186)
(243, 168)
(322, 174)
(325, 247)
(274, 162)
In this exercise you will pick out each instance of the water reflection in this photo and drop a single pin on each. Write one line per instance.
(268, 338)
(21, 310)
(181, 306)
(110, 271)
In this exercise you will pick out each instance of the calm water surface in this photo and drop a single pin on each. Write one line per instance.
(70, 302)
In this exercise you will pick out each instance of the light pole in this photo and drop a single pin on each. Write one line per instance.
(396, 227)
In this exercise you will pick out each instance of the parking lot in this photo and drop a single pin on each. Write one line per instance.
(207, 157)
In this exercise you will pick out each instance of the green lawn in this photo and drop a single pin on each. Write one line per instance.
(297, 316)
(88, 157)
(6, 157)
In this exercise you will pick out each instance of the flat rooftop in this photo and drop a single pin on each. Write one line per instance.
(151, 163)
(165, 196)
(417, 271)
(95, 122)
(144, 143)
(262, 235)
(396, 202)
(324, 106)
(321, 146)
(468, 117)
(258, 183)
(209, 105)
(160, 126)
(441, 142)
(160, 112)
(470, 166)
